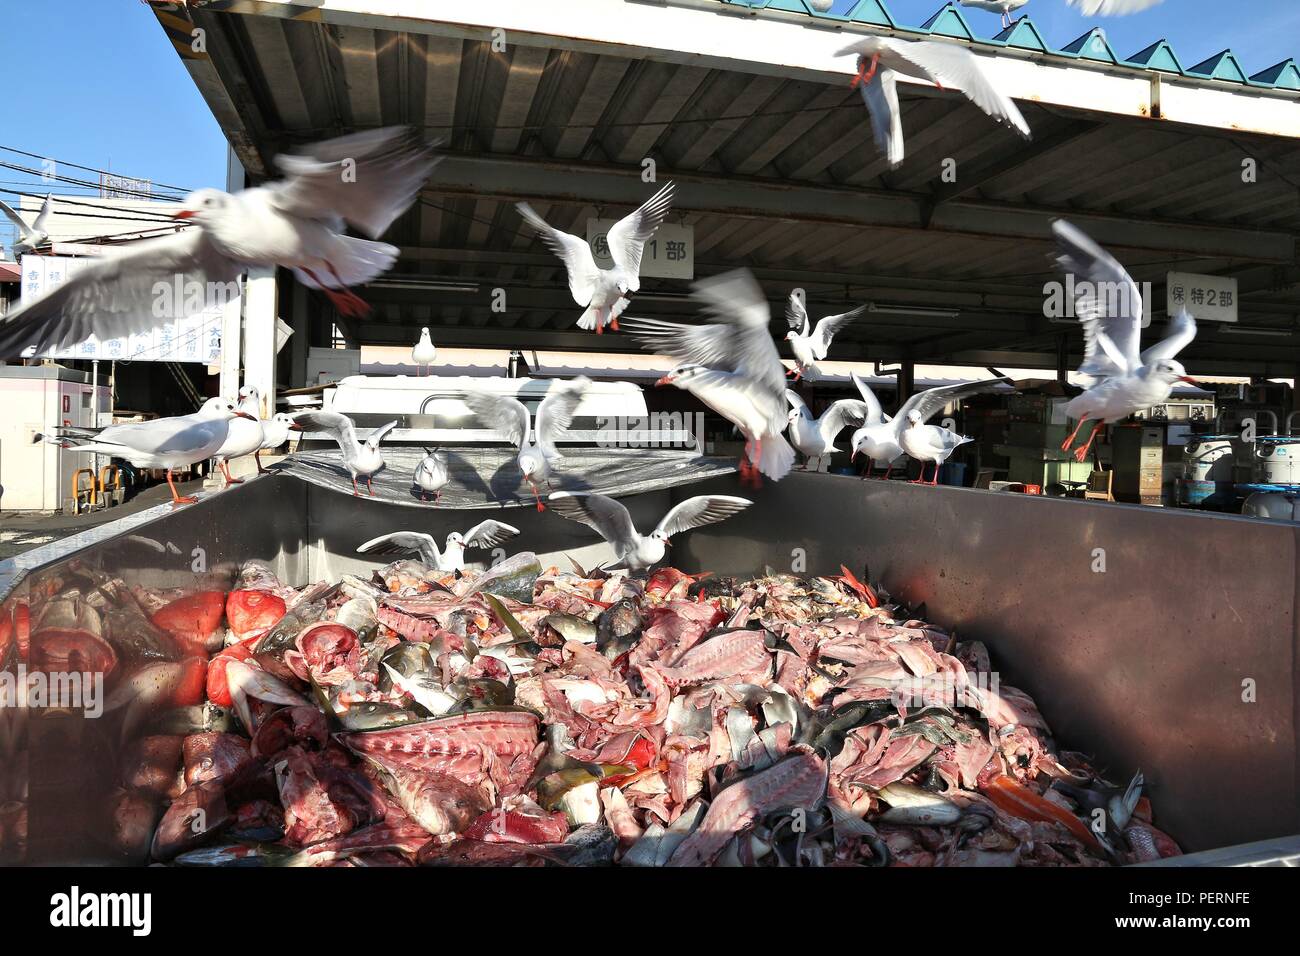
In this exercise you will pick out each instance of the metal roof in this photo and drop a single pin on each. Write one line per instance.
(772, 153)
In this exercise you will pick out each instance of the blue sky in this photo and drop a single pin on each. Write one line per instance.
(108, 91)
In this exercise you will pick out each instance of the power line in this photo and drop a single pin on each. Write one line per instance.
(89, 169)
(46, 177)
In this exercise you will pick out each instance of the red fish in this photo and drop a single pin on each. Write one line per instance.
(864, 591)
(253, 613)
(191, 620)
(62, 650)
(15, 622)
(218, 686)
(518, 826)
(1019, 801)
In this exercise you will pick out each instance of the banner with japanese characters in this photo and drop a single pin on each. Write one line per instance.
(1207, 298)
(189, 319)
(669, 255)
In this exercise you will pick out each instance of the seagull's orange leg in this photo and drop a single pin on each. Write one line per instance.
(177, 498)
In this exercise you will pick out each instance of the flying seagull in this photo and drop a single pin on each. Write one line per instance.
(365, 179)
(361, 458)
(29, 237)
(808, 342)
(604, 292)
(634, 551)
(485, 534)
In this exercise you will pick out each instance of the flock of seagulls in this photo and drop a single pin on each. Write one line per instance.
(730, 361)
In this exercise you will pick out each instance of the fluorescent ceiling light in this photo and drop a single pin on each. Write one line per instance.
(912, 310)
(1275, 333)
(432, 285)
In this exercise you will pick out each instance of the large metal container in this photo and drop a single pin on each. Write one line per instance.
(1154, 639)
(1209, 458)
(1277, 460)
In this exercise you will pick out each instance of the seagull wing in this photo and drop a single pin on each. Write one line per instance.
(699, 511)
(485, 534)
(367, 179)
(881, 97)
(24, 230)
(604, 515)
(875, 413)
(955, 68)
(378, 434)
(796, 316)
(583, 272)
(115, 295)
(1111, 8)
(1110, 303)
(339, 427)
(555, 414)
(841, 414)
(628, 236)
(43, 216)
(404, 542)
(932, 400)
(1179, 335)
(830, 325)
(736, 299)
(501, 413)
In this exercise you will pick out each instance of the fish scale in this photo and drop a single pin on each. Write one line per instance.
(799, 781)
(739, 652)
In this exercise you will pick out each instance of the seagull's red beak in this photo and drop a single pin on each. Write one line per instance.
(1190, 381)
(251, 418)
(295, 427)
(184, 214)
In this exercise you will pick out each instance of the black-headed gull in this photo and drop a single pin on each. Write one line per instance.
(1105, 8)
(808, 342)
(431, 474)
(244, 436)
(29, 237)
(928, 443)
(604, 292)
(634, 551)
(1109, 307)
(732, 366)
(361, 458)
(170, 443)
(881, 438)
(485, 534)
(424, 351)
(537, 451)
(365, 179)
(275, 432)
(816, 436)
(881, 59)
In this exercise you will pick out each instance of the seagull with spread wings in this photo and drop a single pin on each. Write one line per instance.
(362, 459)
(365, 179)
(604, 292)
(881, 60)
(634, 551)
(537, 451)
(485, 534)
(816, 436)
(810, 343)
(29, 237)
(1109, 307)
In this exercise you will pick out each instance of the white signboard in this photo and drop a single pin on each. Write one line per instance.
(669, 255)
(1207, 298)
(193, 338)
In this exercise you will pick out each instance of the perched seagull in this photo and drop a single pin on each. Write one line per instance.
(610, 519)
(816, 436)
(362, 459)
(537, 451)
(485, 534)
(732, 366)
(366, 179)
(1109, 307)
(424, 352)
(171, 443)
(1105, 8)
(811, 343)
(882, 59)
(604, 292)
(928, 443)
(431, 474)
(881, 438)
(244, 436)
(1004, 7)
(275, 432)
(29, 237)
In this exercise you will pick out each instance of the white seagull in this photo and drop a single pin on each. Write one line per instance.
(816, 436)
(1004, 7)
(362, 459)
(882, 59)
(29, 237)
(366, 179)
(424, 351)
(1109, 307)
(244, 436)
(881, 438)
(604, 292)
(811, 343)
(431, 474)
(275, 432)
(485, 534)
(170, 443)
(1105, 8)
(537, 451)
(634, 551)
(732, 366)
(928, 443)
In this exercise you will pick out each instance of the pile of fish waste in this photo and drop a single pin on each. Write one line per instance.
(523, 716)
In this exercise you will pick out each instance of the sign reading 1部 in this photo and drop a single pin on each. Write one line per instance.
(1207, 298)
(669, 255)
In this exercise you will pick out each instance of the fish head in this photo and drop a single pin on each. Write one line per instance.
(204, 205)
